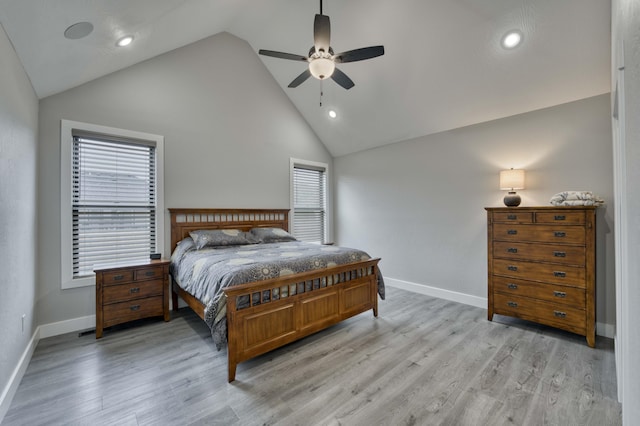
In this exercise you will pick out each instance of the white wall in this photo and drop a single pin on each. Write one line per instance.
(229, 133)
(18, 148)
(419, 204)
(626, 34)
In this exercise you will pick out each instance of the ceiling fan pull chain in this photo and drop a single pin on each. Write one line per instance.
(320, 7)
(321, 93)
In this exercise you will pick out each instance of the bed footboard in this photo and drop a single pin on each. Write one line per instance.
(283, 310)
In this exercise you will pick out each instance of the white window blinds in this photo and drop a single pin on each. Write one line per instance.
(113, 201)
(309, 203)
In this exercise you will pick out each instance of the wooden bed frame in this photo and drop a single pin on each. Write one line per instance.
(283, 309)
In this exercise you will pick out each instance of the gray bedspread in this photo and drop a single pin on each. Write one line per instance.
(204, 273)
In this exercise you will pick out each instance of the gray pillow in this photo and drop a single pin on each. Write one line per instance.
(220, 238)
(271, 235)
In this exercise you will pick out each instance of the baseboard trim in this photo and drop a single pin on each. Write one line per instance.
(16, 377)
(605, 330)
(454, 296)
(67, 326)
(602, 329)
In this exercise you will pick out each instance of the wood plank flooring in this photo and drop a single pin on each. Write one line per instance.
(423, 361)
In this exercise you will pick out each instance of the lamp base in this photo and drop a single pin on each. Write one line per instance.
(512, 199)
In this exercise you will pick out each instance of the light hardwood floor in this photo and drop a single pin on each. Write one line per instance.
(423, 361)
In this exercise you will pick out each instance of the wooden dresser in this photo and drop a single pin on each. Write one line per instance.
(131, 291)
(542, 266)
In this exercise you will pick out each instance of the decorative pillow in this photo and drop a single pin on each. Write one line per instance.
(271, 235)
(220, 238)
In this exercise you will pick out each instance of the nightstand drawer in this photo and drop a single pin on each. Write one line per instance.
(560, 316)
(147, 273)
(544, 272)
(570, 255)
(570, 296)
(134, 290)
(117, 313)
(117, 277)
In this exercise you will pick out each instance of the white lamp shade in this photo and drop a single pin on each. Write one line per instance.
(511, 179)
(322, 68)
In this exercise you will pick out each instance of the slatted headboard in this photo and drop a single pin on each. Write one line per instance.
(184, 220)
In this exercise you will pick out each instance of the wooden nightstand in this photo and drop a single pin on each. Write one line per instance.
(127, 292)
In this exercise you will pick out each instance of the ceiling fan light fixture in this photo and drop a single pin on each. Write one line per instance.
(322, 68)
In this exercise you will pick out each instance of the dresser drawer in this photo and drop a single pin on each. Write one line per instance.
(134, 290)
(117, 277)
(560, 316)
(542, 272)
(571, 255)
(569, 296)
(569, 217)
(540, 233)
(513, 217)
(117, 313)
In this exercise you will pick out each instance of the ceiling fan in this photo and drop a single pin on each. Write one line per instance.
(322, 61)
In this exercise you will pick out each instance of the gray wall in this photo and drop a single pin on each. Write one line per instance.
(419, 204)
(229, 133)
(18, 236)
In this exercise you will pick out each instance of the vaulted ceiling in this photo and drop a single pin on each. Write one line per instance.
(443, 66)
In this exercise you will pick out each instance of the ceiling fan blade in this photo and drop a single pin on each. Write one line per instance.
(342, 79)
(282, 55)
(321, 33)
(300, 79)
(359, 54)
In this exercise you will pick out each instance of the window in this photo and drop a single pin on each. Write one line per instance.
(309, 201)
(114, 211)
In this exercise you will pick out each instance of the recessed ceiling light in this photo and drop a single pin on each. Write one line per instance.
(512, 39)
(78, 30)
(124, 41)
(332, 113)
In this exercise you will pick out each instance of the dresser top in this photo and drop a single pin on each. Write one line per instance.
(538, 208)
(130, 264)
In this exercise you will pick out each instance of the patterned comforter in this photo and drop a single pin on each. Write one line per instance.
(204, 273)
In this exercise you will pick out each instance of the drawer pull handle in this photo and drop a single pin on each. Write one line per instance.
(560, 254)
(512, 217)
(118, 277)
(134, 290)
(560, 314)
(559, 217)
(559, 274)
(512, 268)
(512, 250)
(149, 273)
(512, 232)
(512, 304)
(560, 234)
(135, 307)
(512, 286)
(560, 294)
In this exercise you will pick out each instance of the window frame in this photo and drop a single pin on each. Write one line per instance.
(296, 162)
(66, 184)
